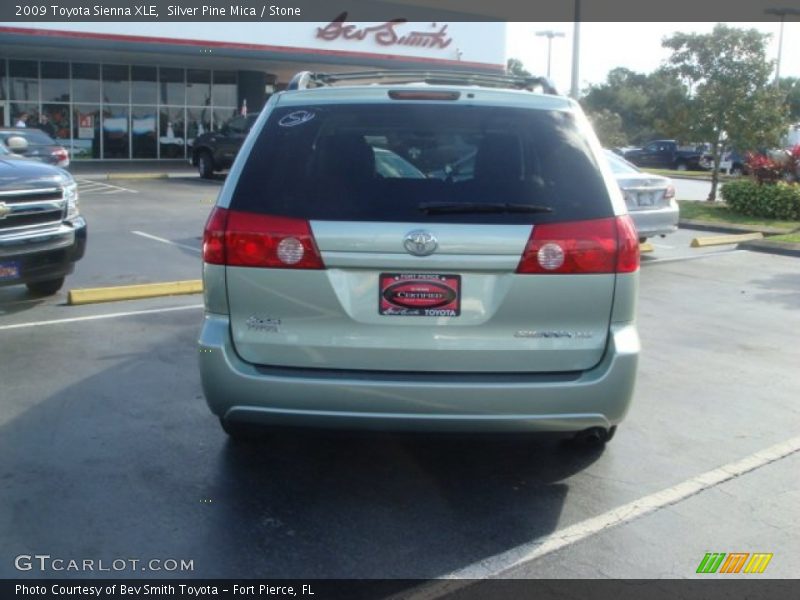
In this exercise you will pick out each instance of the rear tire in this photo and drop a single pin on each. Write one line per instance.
(46, 288)
(205, 164)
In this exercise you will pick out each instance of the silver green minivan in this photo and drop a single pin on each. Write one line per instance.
(439, 252)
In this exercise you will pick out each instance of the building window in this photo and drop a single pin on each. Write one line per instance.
(24, 80)
(143, 132)
(115, 132)
(55, 121)
(116, 84)
(198, 87)
(85, 82)
(86, 131)
(55, 82)
(144, 87)
(198, 121)
(113, 111)
(223, 90)
(2, 79)
(24, 114)
(172, 132)
(172, 86)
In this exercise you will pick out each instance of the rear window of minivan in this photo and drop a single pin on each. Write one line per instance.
(379, 162)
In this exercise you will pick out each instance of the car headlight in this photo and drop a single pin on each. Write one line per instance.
(71, 196)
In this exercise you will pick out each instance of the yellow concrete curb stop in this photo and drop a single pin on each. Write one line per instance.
(134, 292)
(720, 240)
(646, 247)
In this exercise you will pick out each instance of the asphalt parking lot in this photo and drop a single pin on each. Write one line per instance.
(108, 451)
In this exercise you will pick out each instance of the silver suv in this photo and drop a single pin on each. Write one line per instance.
(433, 251)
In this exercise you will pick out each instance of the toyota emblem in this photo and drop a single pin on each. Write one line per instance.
(420, 242)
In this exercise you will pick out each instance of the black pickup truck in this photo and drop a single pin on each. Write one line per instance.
(216, 150)
(666, 154)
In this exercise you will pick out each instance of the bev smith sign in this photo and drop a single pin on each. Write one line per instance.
(397, 32)
(340, 40)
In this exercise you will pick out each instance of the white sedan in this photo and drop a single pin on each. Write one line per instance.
(650, 198)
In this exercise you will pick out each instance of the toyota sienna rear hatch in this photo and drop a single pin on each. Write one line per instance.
(420, 234)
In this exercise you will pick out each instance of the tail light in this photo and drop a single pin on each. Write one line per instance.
(214, 237)
(60, 154)
(627, 245)
(242, 239)
(670, 193)
(582, 247)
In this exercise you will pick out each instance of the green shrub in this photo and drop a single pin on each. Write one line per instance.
(769, 200)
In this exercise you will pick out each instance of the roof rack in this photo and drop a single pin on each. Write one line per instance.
(308, 79)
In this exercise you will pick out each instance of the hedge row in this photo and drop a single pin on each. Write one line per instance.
(770, 201)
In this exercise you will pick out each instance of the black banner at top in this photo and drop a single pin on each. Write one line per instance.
(31, 11)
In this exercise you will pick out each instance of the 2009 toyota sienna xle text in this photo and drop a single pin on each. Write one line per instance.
(487, 284)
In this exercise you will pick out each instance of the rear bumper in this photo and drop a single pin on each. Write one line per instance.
(656, 222)
(46, 255)
(244, 392)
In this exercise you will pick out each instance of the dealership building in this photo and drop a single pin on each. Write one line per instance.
(144, 91)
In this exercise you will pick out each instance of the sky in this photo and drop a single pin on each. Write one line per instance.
(637, 46)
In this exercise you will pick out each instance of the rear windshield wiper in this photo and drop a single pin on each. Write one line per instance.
(437, 208)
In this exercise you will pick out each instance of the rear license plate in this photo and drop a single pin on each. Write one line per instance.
(419, 295)
(647, 199)
(9, 270)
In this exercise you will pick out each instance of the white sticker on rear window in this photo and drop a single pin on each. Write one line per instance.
(295, 118)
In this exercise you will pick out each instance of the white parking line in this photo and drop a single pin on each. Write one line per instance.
(166, 241)
(655, 245)
(98, 317)
(90, 186)
(501, 563)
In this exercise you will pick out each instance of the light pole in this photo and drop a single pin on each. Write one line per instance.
(782, 13)
(549, 34)
(576, 47)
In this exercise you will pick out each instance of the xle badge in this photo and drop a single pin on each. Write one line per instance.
(263, 324)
